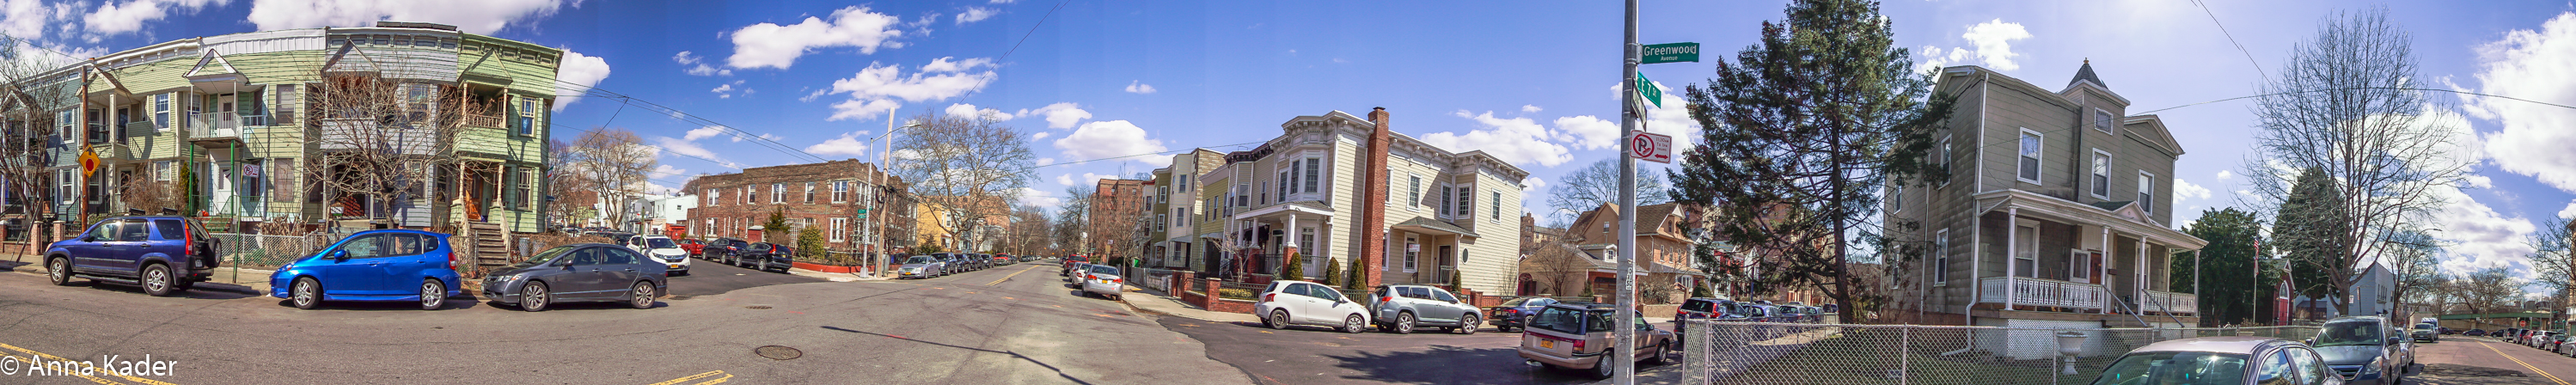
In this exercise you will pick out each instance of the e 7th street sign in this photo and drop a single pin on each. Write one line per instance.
(1651, 147)
(1670, 53)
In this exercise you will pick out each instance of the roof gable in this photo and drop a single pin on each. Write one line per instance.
(2151, 130)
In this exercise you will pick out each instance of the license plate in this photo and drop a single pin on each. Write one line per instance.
(1549, 344)
(675, 266)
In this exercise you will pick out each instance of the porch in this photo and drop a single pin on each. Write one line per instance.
(2055, 255)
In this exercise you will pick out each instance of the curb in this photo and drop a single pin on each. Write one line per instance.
(226, 287)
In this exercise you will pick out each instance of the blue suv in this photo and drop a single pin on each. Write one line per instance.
(373, 265)
(162, 254)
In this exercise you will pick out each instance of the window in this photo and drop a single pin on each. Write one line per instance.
(778, 193)
(2026, 259)
(162, 170)
(2147, 192)
(1446, 193)
(840, 191)
(1495, 206)
(809, 193)
(527, 121)
(2030, 142)
(1310, 174)
(1185, 182)
(510, 180)
(1159, 220)
(161, 111)
(1940, 257)
(1306, 240)
(840, 227)
(1467, 202)
(1283, 183)
(2102, 120)
(1412, 253)
(1896, 197)
(64, 180)
(1416, 190)
(748, 195)
(1941, 156)
(2101, 174)
(711, 199)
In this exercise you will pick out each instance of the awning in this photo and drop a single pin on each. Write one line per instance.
(1427, 225)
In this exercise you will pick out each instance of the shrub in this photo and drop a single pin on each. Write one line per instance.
(1242, 294)
(809, 244)
(1294, 269)
(1332, 271)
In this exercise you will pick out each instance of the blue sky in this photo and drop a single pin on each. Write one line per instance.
(1529, 81)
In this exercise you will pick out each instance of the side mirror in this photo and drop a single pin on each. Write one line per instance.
(341, 255)
(2396, 341)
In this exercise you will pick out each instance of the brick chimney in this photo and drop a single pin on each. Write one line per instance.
(1373, 201)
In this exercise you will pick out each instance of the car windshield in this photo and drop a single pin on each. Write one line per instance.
(660, 243)
(921, 259)
(2423, 327)
(1516, 302)
(1104, 269)
(542, 258)
(2175, 368)
(2349, 333)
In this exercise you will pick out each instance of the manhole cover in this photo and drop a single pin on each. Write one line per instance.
(776, 352)
(757, 307)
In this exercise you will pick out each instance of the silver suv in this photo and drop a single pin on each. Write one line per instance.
(1401, 308)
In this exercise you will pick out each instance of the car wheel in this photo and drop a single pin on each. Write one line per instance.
(534, 297)
(1403, 323)
(1469, 325)
(1602, 368)
(433, 294)
(1660, 351)
(305, 293)
(157, 280)
(60, 270)
(1353, 324)
(642, 296)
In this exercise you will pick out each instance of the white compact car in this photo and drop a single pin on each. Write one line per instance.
(1287, 303)
(663, 250)
(1103, 280)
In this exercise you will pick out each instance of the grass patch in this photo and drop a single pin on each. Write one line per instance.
(1242, 294)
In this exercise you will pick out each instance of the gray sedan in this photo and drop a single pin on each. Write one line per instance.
(579, 272)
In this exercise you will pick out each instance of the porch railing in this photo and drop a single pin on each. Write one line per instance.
(478, 120)
(2041, 292)
(2171, 303)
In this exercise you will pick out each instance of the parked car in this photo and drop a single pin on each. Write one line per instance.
(1402, 308)
(1103, 280)
(2361, 349)
(1703, 308)
(2475, 333)
(162, 254)
(1757, 312)
(1509, 315)
(695, 247)
(923, 266)
(663, 250)
(2425, 332)
(2220, 360)
(1004, 259)
(579, 272)
(723, 249)
(373, 265)
(1286, 303)
(2446, 331)
(2552, 342)
(1576, 335)
(765, 256)
(2566, 349)
(1069, 264)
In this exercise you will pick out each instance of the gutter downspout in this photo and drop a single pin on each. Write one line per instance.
(1976, 246)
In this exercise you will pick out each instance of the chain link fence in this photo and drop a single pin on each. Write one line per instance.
(1833, 354)
(267, 252)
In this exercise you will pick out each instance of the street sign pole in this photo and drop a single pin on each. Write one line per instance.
(1625, 339)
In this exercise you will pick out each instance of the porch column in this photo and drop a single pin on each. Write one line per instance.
(2138, 285)
(1288, 246)
(2104, 271)
(2012, 254)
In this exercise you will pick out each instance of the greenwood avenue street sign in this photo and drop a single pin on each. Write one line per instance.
(1670, 53)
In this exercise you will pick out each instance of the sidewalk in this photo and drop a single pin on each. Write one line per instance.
(835, 277)
(249, 281)
(1150, 301)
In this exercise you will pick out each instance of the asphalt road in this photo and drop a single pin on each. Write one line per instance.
(714, 277)
(1012, 324)
(1304, 355)
(2538, 366)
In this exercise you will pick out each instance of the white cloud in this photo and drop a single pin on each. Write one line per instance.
(2225, 174)
(1033, 198)
(963, 109)
(1671, 118)
(1046, 161)
(975, 14)
(576, 75)
(726, 91)
(665, 170)
(1041, 135)
(1104, 139)
(1139, 87)
(1586, 132)
(776, 46)
(111, 19)
(1061, 115)
(2482, 237)
(2533, 65)
(470, 16)
(27, 19)
(875, 89)
(2569, 212)
(2183, 189)
(1529, 108)
(1993, 42)
(1087, 179)
(1002, 1)
(1518, 140)
(703, 133)
(698, 65)
(684, 147)
(1532, 184)
(848, 144)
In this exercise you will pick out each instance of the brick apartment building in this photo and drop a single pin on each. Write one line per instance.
(1117, 209)
(830, 196)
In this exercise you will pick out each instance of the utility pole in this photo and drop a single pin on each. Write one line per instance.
(1626, 314)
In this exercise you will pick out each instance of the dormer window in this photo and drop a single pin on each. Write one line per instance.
(2102, 120)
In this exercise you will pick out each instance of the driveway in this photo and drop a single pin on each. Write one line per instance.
(1301, 355)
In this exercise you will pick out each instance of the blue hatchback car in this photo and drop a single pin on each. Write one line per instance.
(374, 265)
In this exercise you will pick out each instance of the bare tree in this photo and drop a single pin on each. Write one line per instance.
(2416, 265)
(1589, 187)
(570, 189)
(38, 98)
(2553, 264)
(383, 136)
(612, 162)
(2489, 290)
(2346, 104)
(964, 168)
(1073, 219)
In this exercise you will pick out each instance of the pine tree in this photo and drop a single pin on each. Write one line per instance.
(2230, 286)
(2312, 239)
(776, 230)
(1352, 279)
(1332, 272)
(1294, 269)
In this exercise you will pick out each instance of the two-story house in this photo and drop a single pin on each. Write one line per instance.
(2055, 215)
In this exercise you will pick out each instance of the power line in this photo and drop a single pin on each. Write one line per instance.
(2231, 39)
(1033, 30)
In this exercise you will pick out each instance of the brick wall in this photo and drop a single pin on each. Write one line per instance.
(1231, 306)
(733, 217)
